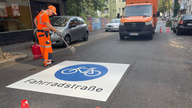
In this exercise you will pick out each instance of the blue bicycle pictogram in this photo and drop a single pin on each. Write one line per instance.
(81, 72)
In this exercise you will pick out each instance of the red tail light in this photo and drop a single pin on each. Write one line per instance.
(181, 22)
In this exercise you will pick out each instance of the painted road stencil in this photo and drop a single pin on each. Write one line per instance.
(89, 80)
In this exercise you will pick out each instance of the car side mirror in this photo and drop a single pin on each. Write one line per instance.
(72, 25)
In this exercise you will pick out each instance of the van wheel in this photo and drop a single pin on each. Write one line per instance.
(67, 40)
(122, 37)
(150, 37)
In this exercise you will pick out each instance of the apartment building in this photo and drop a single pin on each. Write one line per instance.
(189, 6)
(113, 8)
(183, 7)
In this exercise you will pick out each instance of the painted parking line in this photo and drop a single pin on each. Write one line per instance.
(89, 80)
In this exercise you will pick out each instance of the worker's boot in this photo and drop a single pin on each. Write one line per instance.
(47, 63)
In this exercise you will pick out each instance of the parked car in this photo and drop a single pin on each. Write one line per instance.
(174, 20)
(163, 18)
(183, 24)
(113, 25)
(11, 25)
(72, 28)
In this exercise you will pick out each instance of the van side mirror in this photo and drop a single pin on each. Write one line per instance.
(158, 13)
(118, 15)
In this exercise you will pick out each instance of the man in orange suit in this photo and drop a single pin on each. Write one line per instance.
(43, 25)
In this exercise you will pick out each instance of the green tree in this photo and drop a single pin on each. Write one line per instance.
(85, 8)
(176, 8)
(164, 6)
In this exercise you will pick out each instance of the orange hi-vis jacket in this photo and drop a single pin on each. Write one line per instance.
(43, 37)
(42, 17)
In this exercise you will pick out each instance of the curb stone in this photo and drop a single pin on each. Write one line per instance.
(14, 60)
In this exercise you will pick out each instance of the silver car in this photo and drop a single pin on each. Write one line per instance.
(72, 28)
(113, 25)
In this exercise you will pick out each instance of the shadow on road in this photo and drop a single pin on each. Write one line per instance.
(136, 39)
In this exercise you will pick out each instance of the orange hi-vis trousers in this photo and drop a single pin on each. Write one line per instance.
(45, 45)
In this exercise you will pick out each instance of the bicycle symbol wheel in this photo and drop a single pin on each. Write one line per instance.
(92, 74)
(69, 71)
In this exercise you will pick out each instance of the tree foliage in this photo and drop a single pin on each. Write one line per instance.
(164, 5)
(176, 7)
(85, 8)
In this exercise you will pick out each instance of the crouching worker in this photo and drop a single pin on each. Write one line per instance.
(43, 25)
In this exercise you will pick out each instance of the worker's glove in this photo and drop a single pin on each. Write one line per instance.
(58, 33)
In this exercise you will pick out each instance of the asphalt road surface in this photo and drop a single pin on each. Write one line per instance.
(159, 75)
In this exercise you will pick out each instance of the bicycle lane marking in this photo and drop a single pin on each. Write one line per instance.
(89, 80)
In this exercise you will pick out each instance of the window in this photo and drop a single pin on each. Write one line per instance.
(106, 11)
(106, 2)
(188, 17)
(59, 21)
(119, 9)
(139, 10)
(115, 21)
(81, 21)
(14, 16)
(123, 0)
(122, 9)
(74, 21)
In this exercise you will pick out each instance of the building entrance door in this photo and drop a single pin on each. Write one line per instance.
(43, 5)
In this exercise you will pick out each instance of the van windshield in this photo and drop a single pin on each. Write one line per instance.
(140, 10)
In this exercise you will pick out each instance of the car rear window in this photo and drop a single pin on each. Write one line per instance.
(188, 17)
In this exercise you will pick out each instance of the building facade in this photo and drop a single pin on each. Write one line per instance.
(183, 7)
(189, 7)
(16, 18)
(113, 8)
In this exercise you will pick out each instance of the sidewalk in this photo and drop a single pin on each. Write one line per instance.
(24, 49)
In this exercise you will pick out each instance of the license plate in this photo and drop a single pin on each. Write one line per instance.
(133, 34)
(189, 24)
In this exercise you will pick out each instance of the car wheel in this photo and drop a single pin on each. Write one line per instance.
(106, 30)
(86, 36)
(174, 31)
(122, 37)
(67, 40)
(177, 32)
